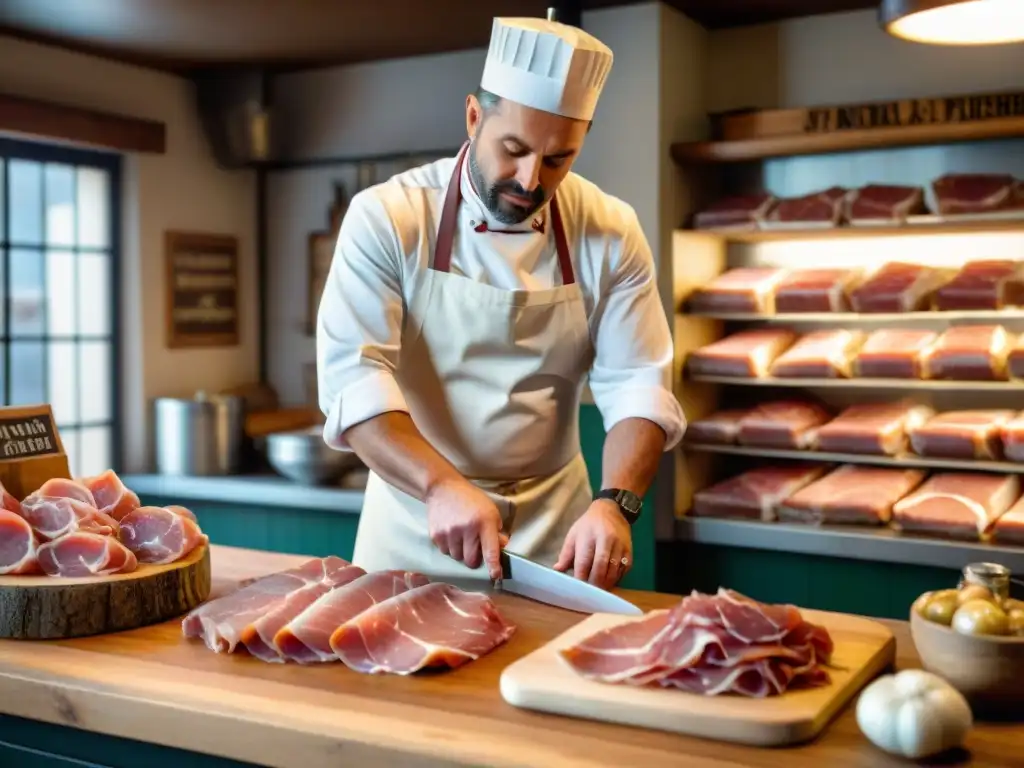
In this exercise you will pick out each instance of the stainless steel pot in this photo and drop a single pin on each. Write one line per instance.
(303, 456)
(204, 435)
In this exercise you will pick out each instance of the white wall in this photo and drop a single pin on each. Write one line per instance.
(182, 189)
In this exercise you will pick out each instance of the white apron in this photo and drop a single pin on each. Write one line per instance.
(493, 381)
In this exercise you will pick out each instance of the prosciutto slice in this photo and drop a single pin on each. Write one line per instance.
(85, 554)
(66, 489)
(436, 625)
(307, 637)
(56, 516)
(18, 545)
(112, 497)
(159, 535)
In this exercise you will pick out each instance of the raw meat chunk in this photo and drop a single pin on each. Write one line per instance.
(158, 535)
(872, 428)
(1009, 528)
(825, 207)
(85, 554)
(18, 545)
(962, 505)
(111, 495)
(67, 489)
(961, 435)
(894, 353)
(436, 625)
(884, 203)
(851, 494)
(971, 353)
(972, 192)
(307, 637)
(719, 428)
(897, 287)
(755, 494)
(1012, 437)
(819, 355)
(55, 516)
(787, 424)
(736, 212)
(816, 290)
(747, 290)
(983, 285)
(746, 354)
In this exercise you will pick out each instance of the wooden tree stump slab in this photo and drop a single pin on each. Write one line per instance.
(52, 607)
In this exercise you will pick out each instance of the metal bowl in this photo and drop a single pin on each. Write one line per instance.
(303, 456)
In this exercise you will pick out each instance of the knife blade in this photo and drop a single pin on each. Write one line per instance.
(522, 576)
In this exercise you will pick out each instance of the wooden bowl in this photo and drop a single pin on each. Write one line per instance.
(987, 669)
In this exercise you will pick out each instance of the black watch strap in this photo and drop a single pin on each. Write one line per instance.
(629, 503)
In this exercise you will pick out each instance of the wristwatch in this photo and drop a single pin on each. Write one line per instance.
(629, 503)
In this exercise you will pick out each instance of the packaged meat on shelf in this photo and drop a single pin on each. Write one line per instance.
(879, 429)
(983, 285)
(1009, 527)
(746, 290)
(897, 287)
(975, 434)
(960, 505)
(819, 355)
(737, 212)
(747, 354)
(894, 353)
(755, 494)
(785, 424)
(1012, 438)
(850, 494)
(719, 428)
(884, 204)
(971, 353)
(816, 290)
(1015, 360)
(957, 193)
(823, 208)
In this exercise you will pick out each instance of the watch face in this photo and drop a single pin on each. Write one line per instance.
(631, 502)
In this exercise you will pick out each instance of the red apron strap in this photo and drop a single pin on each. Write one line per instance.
(561, 244)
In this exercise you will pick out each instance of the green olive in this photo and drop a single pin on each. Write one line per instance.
(1016, 621)
(980, 617)
(922, 602)
(975, 592)
(941, 607)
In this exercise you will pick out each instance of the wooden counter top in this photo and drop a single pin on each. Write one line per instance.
(154, 685)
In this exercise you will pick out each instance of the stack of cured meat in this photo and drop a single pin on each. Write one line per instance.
(330, 610)
(711, 645)
(90, 527)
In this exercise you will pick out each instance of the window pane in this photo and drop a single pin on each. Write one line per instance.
(70, 439)
(94, 451)
(26, 190)
(3, 291)
(27, 379)
(62, 376)
(60, 293)
(94, 380)
(60, 204)
(27, 293)
(93, 208)
(94, 301)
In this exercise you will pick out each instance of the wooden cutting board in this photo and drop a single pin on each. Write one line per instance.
(543, 681)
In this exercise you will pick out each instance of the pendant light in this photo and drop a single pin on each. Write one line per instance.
(954, 22)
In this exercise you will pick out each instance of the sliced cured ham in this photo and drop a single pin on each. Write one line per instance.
(220, 623)
(719, 428)
(183, 511)
(887, 203)
(738, 212)
(851, 494)
(436, 625)
(894, 353)
(786, 424)
(1009, 527)
(745, 290)
(816, 290)
(898, 287)
(963, 505)
(755, 494)
(983, 285)
(819, 355)
(1012, 438)
(18, 545)
(747, 354)
(962, 434)
(85, 554)
(824, 207)
(873, 428)
(67, 489)
(112, 497)
(971, 353)
(158, 535)
(56, 516)
(972, 192)
(307, 637)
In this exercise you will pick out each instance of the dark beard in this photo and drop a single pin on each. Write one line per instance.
(503, 210)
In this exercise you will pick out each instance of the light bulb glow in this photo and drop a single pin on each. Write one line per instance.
(969, 22)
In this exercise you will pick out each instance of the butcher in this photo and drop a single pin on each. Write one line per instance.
(468, 304)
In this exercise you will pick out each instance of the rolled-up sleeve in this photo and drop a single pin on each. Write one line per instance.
(631, 376)
(359, 322)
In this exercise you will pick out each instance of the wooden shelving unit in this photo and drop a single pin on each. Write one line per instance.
(897, 384)
(922, 226)
(879, 318)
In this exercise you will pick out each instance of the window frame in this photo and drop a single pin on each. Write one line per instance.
(111, 162)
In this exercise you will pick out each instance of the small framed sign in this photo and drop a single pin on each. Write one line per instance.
(202, 290)
(31, 451)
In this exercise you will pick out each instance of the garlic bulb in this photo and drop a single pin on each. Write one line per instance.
(913, 714)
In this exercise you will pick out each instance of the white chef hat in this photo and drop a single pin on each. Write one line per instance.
(546, 65)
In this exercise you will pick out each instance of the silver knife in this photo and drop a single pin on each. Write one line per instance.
(524, 577)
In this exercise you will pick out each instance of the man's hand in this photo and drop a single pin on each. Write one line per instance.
(465, 524)
(596, 544)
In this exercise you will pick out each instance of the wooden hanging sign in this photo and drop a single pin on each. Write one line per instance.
(202, 290)
(31, 451)
(904, 113)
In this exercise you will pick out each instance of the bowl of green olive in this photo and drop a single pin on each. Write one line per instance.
(974, 639)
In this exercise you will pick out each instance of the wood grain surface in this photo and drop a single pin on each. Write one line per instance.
(51, 607)
(152, 684)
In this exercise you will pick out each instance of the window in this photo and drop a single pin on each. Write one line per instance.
(59, 248)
